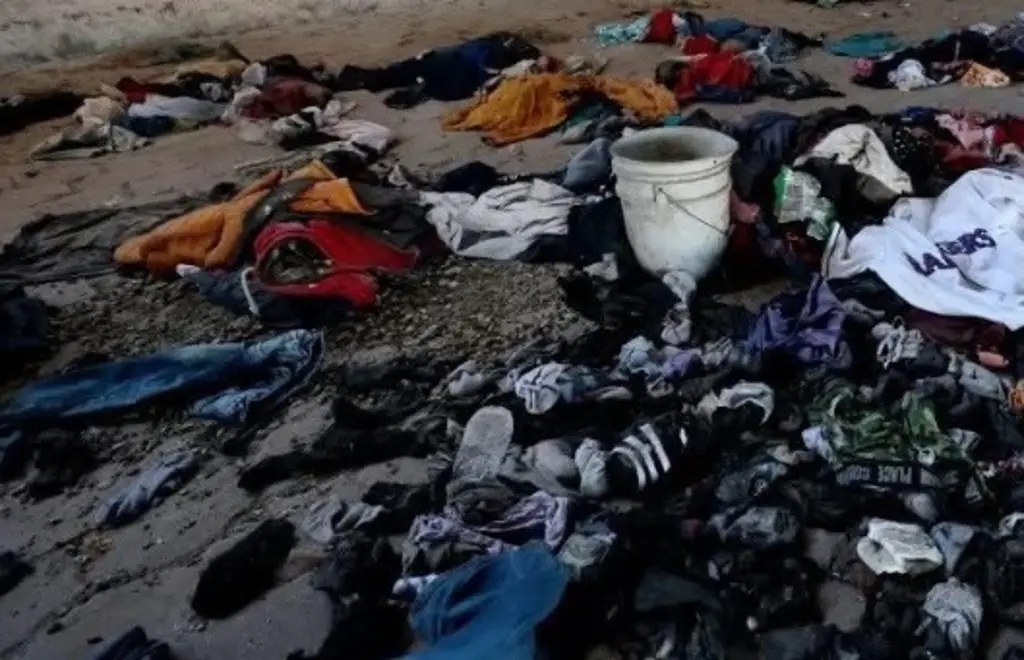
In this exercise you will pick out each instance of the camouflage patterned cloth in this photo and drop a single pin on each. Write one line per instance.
(897, 446)
(907, 431)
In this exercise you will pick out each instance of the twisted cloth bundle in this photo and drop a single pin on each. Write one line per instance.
(532, 105)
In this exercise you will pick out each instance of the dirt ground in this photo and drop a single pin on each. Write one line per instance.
(91, 586)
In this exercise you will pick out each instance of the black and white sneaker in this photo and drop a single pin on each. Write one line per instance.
(645, 455)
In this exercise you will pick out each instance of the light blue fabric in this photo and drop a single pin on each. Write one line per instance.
(614, 34)
(223, 382)
(169, 473)
(590, 168)
(489, 608)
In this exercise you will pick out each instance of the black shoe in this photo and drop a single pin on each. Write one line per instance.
(646, 454)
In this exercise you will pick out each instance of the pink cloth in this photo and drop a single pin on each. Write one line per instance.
(970, 134)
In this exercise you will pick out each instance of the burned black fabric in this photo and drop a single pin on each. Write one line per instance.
(52, 460)
(360, 436)
(13, 569)
(15, 452)
(245, 571)
(61, 459)
(67, 246)
(358, 577)
(365, 630)
(24, 325)
(135, 645)
(17, 112)
(401, 502)
(337, 449)
(358, 565)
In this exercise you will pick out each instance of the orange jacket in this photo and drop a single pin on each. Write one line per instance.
(211, 237)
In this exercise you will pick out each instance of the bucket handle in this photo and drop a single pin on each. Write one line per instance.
(679, 205)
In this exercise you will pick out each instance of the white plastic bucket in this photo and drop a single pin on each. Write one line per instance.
(674, 185)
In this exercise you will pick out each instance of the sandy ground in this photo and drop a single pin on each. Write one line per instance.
(92, 585)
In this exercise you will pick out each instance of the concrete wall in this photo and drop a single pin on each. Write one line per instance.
(33, 31)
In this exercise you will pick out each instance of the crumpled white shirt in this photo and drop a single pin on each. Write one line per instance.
(858, 146)
(504, 222)
(957, 255)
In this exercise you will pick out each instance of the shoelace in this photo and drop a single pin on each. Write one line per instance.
(250, 299)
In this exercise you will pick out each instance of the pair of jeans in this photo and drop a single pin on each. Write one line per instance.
(222, 382)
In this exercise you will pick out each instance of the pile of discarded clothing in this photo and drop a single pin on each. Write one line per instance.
(127, 115)
(803, 185)
(809, 417)
(277, 100)
(723, 60)
(694, 35)
(642, 485)
(299, 248)
(728, 77)
(878, 403)
(980, 56)
(280, 101)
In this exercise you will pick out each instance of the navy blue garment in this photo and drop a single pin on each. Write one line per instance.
(750, 37)
(721, 28)
(149, 127)
(596, 230)
(490, 607)
(723, 94)
(916, 114)
(451, 73)
(765, 139)
(223, 382)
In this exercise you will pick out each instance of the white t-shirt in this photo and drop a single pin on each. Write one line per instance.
(961, 254)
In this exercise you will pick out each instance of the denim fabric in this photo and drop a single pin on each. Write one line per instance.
(723, 28)
(489, 607)
(223, 382)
